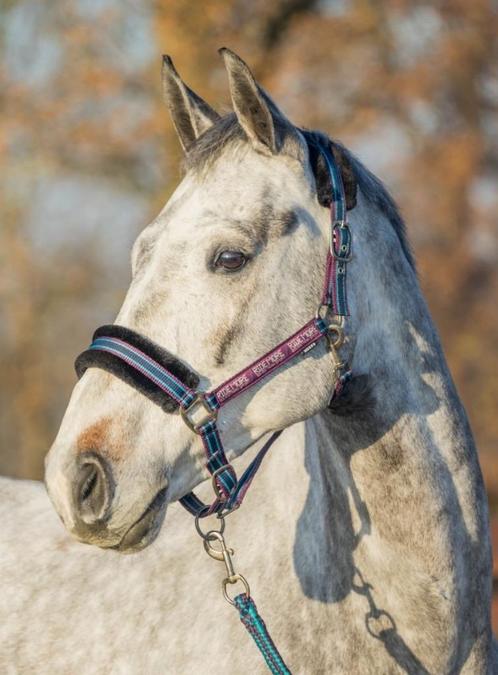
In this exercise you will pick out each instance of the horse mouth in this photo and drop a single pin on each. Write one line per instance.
(146, 528)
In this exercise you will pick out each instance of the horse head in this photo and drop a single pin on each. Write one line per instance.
(232, 265)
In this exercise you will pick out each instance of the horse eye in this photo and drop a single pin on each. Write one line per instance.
(231, 260)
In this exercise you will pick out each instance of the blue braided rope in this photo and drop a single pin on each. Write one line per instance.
(258, 631)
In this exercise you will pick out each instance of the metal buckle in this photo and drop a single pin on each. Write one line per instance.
(196, 426)
(343, 258)
(224, 512)
(214, 476)
(344, 248)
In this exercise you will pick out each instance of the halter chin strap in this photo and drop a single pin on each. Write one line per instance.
(171, 384)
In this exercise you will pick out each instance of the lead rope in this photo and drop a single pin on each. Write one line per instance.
(248, 612)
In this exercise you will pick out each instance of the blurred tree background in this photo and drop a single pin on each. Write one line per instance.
(88, 156)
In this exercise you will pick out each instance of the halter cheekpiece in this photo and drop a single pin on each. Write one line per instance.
(168, 382)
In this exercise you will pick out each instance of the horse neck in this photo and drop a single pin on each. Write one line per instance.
(394, 476)
(406, 420)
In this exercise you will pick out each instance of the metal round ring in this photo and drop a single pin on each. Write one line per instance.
(203, 534)
(234, 580)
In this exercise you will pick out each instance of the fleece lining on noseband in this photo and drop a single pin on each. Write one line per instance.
(115, 365)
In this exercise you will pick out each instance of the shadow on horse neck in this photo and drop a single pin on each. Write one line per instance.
(384, 513)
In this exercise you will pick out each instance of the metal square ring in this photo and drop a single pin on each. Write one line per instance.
(211, 414)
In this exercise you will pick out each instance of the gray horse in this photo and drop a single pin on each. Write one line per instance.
(365, 535)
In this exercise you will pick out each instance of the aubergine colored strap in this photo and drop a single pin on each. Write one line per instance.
(234, 491)
(300, 341)
(256, 628)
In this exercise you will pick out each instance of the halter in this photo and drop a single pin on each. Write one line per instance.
(157, 374)
(171, 384)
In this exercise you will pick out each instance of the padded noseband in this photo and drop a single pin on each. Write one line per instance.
(115, 365)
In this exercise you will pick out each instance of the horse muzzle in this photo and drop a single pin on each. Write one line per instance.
(87, 505)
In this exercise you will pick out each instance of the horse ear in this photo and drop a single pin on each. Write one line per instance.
(259, 117)
(190, 114)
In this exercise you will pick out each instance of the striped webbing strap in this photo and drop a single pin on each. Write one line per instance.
(147, 366)
(339, 253)
(256, 628)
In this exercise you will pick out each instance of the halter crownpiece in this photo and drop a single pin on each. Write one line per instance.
(334, 289)
(171, 384)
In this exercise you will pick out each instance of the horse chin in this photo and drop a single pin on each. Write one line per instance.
(146, 528)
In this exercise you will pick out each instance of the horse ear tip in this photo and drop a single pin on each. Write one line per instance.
(228, 54)
(168, 68)
(167, 61)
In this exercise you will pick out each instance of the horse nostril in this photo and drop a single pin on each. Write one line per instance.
(93, 490)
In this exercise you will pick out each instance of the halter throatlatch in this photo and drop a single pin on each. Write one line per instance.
(172, 385)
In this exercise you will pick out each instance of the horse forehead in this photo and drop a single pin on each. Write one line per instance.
(244, 181)
(231, 192)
